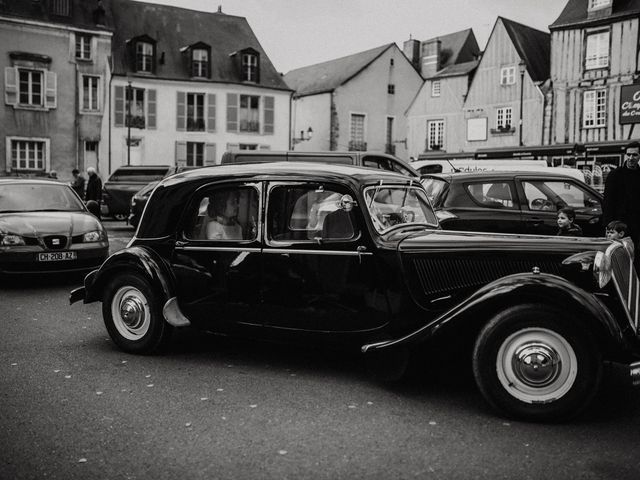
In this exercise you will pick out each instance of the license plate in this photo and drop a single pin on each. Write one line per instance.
(56, 256)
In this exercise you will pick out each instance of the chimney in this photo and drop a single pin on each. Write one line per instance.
(431, 58)
(411, 49)
(99, 14)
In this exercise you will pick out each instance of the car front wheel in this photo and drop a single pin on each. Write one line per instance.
(132, 314)
(533, 363)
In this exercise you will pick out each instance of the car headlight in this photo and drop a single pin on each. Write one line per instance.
(10, 240)
(602, 269)
(95, 236)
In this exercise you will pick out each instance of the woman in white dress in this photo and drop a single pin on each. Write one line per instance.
(223, 212)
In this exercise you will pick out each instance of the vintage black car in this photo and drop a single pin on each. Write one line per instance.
(326, 253)
(513, 201)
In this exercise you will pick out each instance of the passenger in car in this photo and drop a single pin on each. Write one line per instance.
(566, 225)
(223, 213)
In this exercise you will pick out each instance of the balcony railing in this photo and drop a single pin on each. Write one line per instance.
(355, 146)
(136, 122)
(195, 125)
(249, 126)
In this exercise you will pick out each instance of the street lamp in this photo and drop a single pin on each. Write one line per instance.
(129, 95)
(303, 137)
(522, 67)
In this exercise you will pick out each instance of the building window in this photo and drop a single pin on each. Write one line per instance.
(504, 117)
(249, 67)
(595, 4)
(90, 95)
(83, 47)
(30, 87)
(195, 112)
(507, 75)
(597, 51)
(594, 108)
(27, 155)
(391, 89)
(136, 104)
(144, 57)
(60, 7)
(200, 63)
(357, 133)
(195, 154)
(249, 113)
(435, 135)
(90, 146)
(435, 88)
(391, 62)
(248, 146)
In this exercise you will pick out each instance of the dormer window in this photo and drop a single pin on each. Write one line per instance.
(250, 67)
(598, 4)
(200, 62)
(144, 57)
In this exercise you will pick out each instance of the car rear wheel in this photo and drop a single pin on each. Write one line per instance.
(533, 363)
(132, 313)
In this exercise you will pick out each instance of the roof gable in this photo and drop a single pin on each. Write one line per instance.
(533, 47)
(456, 47)
(327, 76)
(173, 28)
(575, 13)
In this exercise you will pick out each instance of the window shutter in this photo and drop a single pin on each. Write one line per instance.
(211, 112)
(152, 110)
(119, 107)
(94, 48)
(232, 112)
(210, 154)
(181, 109)
(10, 86)
(181, 154)
(268, 115)
(51, 81)
(72, 47)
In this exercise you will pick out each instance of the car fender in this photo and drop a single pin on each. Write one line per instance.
(524, 287)
(138, 259)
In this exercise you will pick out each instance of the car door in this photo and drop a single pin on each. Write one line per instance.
(318, 267)
(487, 205)
(216, 260)
(543, 197)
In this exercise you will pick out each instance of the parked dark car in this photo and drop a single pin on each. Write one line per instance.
(378, 160)
(512, 202)
(45, 227)
(124, 182)
(326, 253)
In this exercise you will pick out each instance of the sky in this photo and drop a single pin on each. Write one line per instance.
(298, 33)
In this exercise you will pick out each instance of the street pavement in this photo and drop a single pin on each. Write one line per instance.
(74, 406)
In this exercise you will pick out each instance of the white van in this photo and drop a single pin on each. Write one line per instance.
(482, 165)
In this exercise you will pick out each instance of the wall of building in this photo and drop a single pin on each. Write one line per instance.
(570, 80)
(487, 94)
(446, 107)
(367, 93)
(312, 111)
(158, 146)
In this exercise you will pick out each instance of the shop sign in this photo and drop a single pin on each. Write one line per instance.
(630, 104)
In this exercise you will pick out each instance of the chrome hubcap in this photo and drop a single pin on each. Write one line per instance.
(536, 365)
(130, 313)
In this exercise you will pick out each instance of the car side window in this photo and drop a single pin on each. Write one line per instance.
(376, 162)
(224, 213)
(498, 195)
(309, 213)
(551, 195)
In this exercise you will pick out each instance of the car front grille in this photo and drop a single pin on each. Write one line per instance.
(55, 242)
(626, 282)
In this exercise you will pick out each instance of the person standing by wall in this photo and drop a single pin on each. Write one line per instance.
(77, 183)
(622, 193)
(94, 186)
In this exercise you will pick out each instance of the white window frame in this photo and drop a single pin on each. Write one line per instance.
(598, 4)
(200, 62)
(247, 113)
(250, 67)
(83, 46)
(195, 96)
(504, 117)
(364, 127)
(435, 133)
(135, 91)
(508, 75)
(594, 108)
(98, 103)
(30, 92)
(596, 51)
(46, 160)
(436, 88)
(144, 50)
(192, 154)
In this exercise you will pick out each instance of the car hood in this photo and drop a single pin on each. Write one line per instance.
(504, 242)
(32, 224)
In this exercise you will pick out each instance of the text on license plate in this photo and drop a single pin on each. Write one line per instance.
(56, 256)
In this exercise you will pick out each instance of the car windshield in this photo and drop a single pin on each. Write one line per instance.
(390, 206)
(33, 197)
(434, 188)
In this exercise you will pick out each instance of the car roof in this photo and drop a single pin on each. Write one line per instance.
(500, 174)
(144, 167)
(37, 181)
